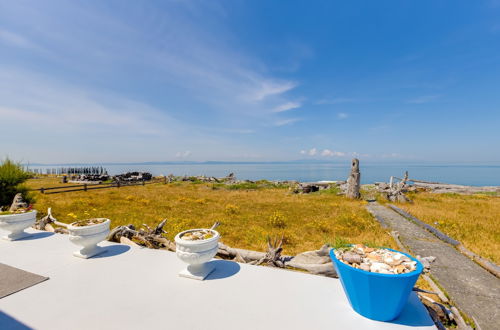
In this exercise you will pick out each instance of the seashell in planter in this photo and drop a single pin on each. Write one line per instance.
(16, 223)
(87, 234)
(196, 251)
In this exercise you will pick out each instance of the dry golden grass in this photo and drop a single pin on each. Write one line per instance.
(247, 216)
(474, 220)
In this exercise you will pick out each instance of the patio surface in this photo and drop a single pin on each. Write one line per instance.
(135, 288)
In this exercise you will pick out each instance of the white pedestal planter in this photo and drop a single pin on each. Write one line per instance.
(16, 224)
(88, 237)
(197, 254)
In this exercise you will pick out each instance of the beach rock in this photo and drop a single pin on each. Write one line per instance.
(18, 203)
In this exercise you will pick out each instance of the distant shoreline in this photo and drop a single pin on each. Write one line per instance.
(470, 175)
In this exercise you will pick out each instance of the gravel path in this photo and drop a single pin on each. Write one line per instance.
(475, 291)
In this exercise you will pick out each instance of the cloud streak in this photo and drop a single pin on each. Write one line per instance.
(287, 106)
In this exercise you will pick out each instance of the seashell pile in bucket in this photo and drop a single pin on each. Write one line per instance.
(375, 260)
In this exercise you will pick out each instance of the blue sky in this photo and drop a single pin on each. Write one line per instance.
(118, 81)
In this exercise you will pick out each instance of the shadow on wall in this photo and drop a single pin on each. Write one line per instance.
(7, 322)
(113, 250)
(414, 314)
(223, 269)
(33, 236)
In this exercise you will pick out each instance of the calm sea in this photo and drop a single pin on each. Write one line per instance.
(476, 175)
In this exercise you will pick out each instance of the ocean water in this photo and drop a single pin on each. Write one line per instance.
(475, 175)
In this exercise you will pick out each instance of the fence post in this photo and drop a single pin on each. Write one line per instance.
(164, 179)
(143, 182)
(117, 184)
(42, 190)
(85, 186)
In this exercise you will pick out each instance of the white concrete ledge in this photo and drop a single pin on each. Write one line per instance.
(134, 288)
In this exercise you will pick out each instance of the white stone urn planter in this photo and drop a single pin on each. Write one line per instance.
(16, 223)
(88, 237)
(197, 253)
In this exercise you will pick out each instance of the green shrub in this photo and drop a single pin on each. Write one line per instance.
(338, 242)
(334, 189)
(12, 175)
(243, 186)
(277, 220)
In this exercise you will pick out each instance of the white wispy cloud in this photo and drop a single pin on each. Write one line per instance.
(180, 52)
(332, 153)
(287, 106)
(310, 152)
(184, 82)
(44, 101)
(284, 122)
(271, 88)
(324, 153)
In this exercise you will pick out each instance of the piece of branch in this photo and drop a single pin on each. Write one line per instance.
(273, 255)
(45, 221)
(459, 320)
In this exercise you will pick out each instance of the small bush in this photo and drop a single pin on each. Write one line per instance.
(338, 242)
(334, 189)
(244, 186)
(277, 220)
(12, 175)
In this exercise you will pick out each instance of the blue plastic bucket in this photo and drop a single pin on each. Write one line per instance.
(376, 296)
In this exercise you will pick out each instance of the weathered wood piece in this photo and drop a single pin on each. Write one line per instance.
(273, 255)
(397, 191)
(316, 262)
(353, 182)
(148, 237)
(45, 221)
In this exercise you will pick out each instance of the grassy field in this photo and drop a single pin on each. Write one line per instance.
(474, 220)
(247, 215)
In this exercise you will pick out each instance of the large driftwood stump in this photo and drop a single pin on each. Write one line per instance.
(353, 182)
(397, 192)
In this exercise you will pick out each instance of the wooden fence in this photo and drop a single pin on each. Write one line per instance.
(93, 186)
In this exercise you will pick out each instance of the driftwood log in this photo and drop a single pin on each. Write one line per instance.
(396, 192)
(149, 237)
(316, 262)
(353, 182)
(273, 255)
(47, 223)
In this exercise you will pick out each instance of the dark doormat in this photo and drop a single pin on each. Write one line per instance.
(14, 279)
